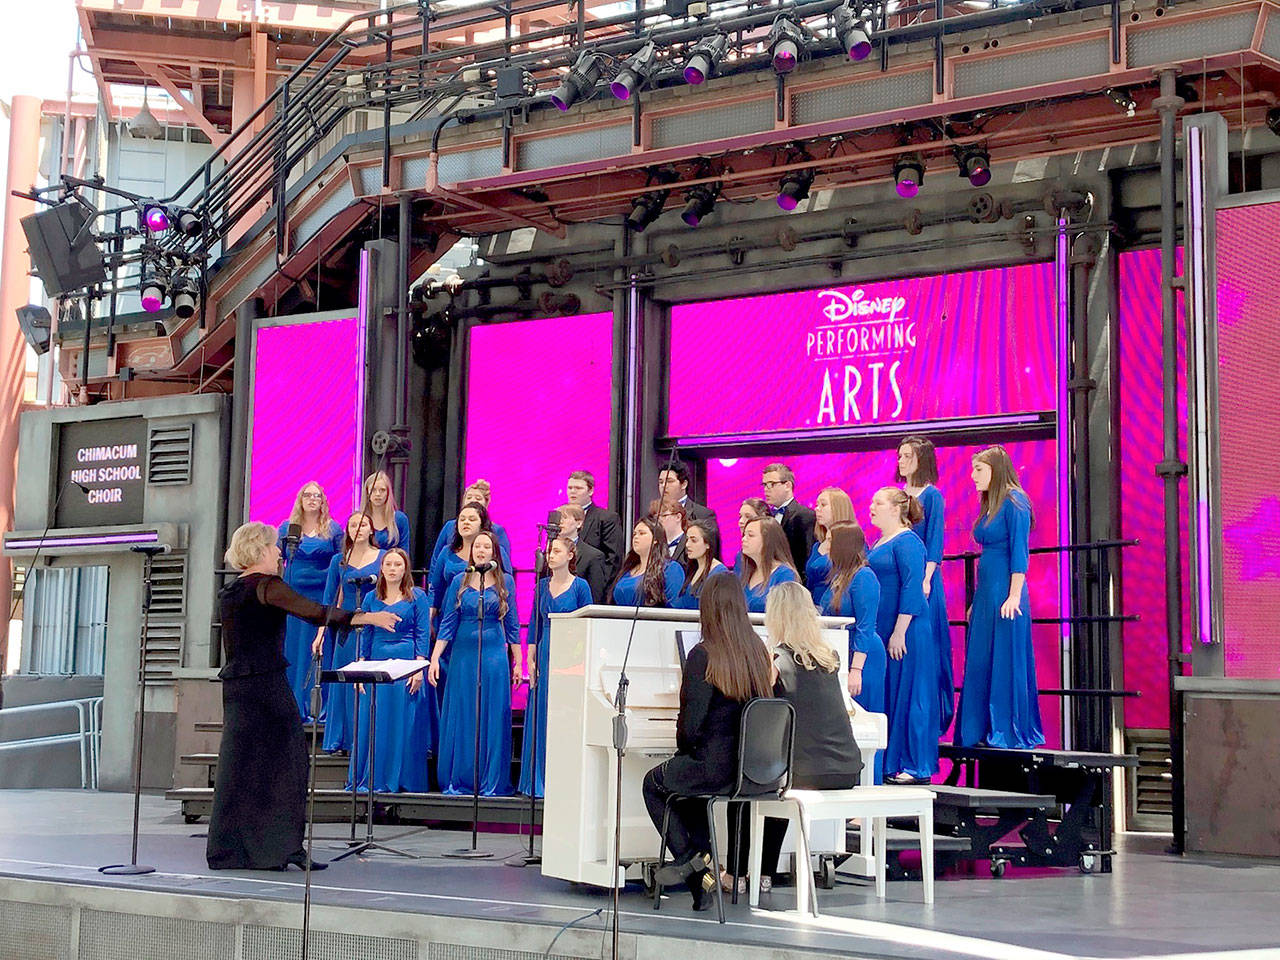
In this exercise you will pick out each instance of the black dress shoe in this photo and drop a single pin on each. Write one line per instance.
(299, 860)
(673, 873)
(702, 884)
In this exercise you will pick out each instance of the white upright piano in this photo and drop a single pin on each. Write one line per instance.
(587, 649)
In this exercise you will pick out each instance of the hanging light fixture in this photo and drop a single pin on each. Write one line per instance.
(144, 124)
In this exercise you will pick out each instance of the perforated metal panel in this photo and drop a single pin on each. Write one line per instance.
(713, 123)
(339, 200)
(370, 180)
(240, 292)
(862, 97)
(593, 143)
(43, 932)
(463, 165)
(1067, 61)
(1170, 43)
(122, 936)
(1270, 44)
(456, 951)
(280, 943)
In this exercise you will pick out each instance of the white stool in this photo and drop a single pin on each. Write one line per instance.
(875, 803)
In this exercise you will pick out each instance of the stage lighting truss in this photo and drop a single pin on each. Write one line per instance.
(704, 58)
(635, 71)
(699, 201)
(154, 286)
(908, 175)
(579, 82)
(853, 30)
(787, 42)
(975, 165)
(794, 187)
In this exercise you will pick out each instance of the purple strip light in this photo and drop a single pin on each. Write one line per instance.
(94, 540)
(1062, 277)
(363, 295)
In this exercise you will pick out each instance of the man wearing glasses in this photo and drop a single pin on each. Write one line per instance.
(797, 520)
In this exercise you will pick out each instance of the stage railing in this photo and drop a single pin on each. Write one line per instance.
(88, 734)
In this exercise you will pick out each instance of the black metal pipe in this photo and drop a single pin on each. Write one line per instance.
(239, 439)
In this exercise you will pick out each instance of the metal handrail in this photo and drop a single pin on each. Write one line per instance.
(89, 734)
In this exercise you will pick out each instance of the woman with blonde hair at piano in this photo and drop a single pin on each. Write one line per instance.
(727, 668)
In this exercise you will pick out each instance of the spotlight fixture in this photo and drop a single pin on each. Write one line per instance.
(1273, 120)
(787, 40)
(155, 218)
(185, 298)
(794, 188)
(908, 174)
(704, 58)
(853, 32)
(699, 201)
(578, 82)
(1122, 99)
(635, 71)
(975, 165)
(647, 207)
(154, 288)
(190, 222)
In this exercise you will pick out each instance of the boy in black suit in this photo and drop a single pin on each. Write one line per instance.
(797, 520)
(591, 565)
(673, 487)
(600, 527)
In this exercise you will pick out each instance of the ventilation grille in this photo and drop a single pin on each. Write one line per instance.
(280, 943)
(592, 143)
(1270, 44)
(457, 951)
(1063, 61)
(1152, 784)
(862, 97)
(166, 621)
(456, 166)
(713, 123)
(120, 936)
(42, 931)
(1173, 43)
(169, 454)
(329, 208)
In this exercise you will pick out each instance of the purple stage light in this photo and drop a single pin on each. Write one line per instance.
(693, 75)
(560, 103)
(860, 49)
(156, 219)
(620, 90)
(152, 300)
(784, 58)
(980, 176)
(907, 187)
(788, 202)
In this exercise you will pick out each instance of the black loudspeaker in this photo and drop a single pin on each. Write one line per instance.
(35, 323)
(62, 250)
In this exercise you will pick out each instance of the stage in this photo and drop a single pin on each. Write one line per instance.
(54, 903)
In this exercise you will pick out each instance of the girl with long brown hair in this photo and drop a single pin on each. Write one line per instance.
(832, 506)
(999, 702)
(753, 508)
(647, 578)
(766, 561)
(726, 669)
(700, 562)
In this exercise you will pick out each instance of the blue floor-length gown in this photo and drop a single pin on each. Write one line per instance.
(342, 646)
(400, 755)
(911, 684)
(625, 591)
(306, 572)
(690, 595)
(429, 709)
(450, 528)
(930, 530)
(758, 596)
(533, 763)
(460, 630)
(999, 705)
(382, 538)
(861, 600)
(816, 571)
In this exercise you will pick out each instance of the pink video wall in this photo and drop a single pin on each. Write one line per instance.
(1248, 262)
(307, 415)
(969, 344)
(538, 404)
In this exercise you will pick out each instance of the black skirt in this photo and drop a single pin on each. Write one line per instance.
(260, 791)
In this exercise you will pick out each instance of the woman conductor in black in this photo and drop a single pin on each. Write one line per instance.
(259, 794)
(726, 669)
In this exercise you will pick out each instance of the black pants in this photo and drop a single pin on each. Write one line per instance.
(688, 832)
(775, 829)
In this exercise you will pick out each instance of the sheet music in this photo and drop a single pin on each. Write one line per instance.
(379, 669)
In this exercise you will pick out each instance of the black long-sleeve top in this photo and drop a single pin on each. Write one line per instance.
(707, 726)
(253, 610)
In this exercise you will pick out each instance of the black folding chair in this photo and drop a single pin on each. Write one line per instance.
(766, 738)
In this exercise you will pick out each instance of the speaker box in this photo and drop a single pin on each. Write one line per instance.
(62, 251)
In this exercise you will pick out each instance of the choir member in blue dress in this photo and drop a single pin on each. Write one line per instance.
(832, 506)
(479, 621)
(400, 753)
(561, 592)
(911, 688)
(701, 562)
(478, 492)
(306, 567)
(854, 592)
(473, 519)
(918, 471)
(999, 703)
(352, 574)
(752, 508)
(390, 525)
(647, 578)
(766, 561)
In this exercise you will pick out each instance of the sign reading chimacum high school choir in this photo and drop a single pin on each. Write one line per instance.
(109, 458)
(976, 343)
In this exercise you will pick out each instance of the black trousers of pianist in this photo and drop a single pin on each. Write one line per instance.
(687, 832)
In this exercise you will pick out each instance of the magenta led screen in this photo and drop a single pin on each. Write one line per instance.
(967, 344)
(307, 415)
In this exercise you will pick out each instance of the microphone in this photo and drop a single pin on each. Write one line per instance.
(77, 483)
(367, 581)
(483, 567)
(153, 549)
(291, 540)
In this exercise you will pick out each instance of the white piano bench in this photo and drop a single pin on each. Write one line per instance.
(873, 803)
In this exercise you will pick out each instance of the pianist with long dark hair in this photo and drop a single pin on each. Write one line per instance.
(259, 794)
(726, 669)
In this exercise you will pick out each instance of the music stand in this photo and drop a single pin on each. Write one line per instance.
(373, 672)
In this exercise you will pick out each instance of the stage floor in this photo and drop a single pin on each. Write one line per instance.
(1152, 905)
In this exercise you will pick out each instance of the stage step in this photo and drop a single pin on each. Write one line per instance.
(331, 769)
(215, 726)
(976, 798)
(1039, 757)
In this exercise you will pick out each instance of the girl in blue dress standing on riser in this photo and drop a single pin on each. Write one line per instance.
(561, 592)
(832, 506)
(390, 524)
(854, 591)
(999, 703)
(352, 575)
(491, 596)
(766, 561)
(753, 508)
(646, 577)
(918, 471)
(911, 686)
(400, 754)
(700, 549)
(306, 571)
(478, 492)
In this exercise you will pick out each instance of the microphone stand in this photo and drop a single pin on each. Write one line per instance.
(545, 534)
(471, 852)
